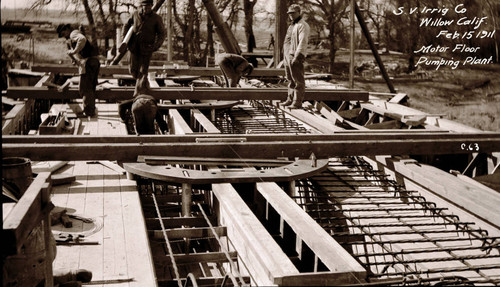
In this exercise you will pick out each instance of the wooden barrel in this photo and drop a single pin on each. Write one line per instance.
(16, 171)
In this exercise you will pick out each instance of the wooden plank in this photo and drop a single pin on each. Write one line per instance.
(204, 93)
(321, 279)
(170, 70)
(173, 222)
(139, 260)
(321, 124)
(194, 232)
(331, 253)
(203, 122)
(113, 242)
(93, 208)
(26, 214)
(261, 255)
(479, 201)
(199, 106)
(195, 258)
(176, 123)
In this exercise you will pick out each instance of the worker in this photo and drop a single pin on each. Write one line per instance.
(148, 36)
(85, 55)
(271, 42)
(144, 110)
(233, 67)
(295, 52)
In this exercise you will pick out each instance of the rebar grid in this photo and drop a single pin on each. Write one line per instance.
(394, 232)
(257, 117)
(161, 200)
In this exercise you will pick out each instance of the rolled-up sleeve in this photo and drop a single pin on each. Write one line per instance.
(80, 40)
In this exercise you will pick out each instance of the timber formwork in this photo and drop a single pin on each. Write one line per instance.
(250, 193)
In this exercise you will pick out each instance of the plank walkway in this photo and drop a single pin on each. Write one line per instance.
(112, 202)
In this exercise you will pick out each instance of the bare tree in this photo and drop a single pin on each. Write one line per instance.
(332, 12)
(248, 6)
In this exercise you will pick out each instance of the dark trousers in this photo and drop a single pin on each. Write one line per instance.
(88, 83)
(139, 64)
(294, 72)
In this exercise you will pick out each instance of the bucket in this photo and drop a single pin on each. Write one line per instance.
(17, 172)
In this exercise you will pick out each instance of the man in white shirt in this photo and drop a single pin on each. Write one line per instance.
(85, 54)
(295, 52)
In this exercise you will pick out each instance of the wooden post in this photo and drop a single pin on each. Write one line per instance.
(186, 199)
(351, 65)
(280, 30)
(226, 37)
(365, 30)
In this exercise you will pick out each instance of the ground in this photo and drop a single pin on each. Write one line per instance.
(469, 95)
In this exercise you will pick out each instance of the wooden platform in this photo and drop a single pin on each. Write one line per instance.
(111, 202)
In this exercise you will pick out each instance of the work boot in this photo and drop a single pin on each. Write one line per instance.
(296, 105)
(65, 276)
(287, 103)
(71, 284)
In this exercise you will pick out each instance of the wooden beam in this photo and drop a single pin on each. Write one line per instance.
(325, 248)
(483, 203)
(26, 214)
(193, 233)
(204, 93)
(195, 258)
(177, 124)
(170, 70)
(201, 123)
(347, 135)
(92, 148)
(174, 222)
(260, 253)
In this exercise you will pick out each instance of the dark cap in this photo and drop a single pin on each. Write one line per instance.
(146, 2)
(293, 8)
(62, 27)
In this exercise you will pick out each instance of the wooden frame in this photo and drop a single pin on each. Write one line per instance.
(128, 148)
(198, 93)
(169, 70)
(32, 209)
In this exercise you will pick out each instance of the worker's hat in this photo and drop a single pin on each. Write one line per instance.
(62, 27)
(293, 8)
(146, 2)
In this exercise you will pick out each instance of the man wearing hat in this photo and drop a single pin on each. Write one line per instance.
(85, 54)
(233, 66)
(149, 34)
(295, 52)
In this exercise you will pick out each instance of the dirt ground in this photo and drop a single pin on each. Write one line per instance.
(469, 95)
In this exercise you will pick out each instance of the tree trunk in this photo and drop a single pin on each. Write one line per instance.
(104, 25)
(189, 32)
(333, 48)
(90, 18)
(248, 6)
